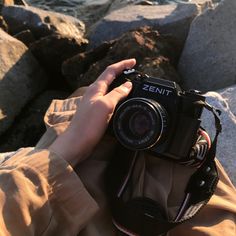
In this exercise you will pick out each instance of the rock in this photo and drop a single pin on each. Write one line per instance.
(145, 2)
(209, 56)
(154, 53)
(79, 64)
(92, 11)
(20, 2)
(40, 22)
(52, 50)
(203, 3)
(118, 4)
(14, 2)
(159, 67)
(29, 125)
(173, 19)
(25, 37)
(225, 100)
(21, 78)
(87, 11)
(3, 24)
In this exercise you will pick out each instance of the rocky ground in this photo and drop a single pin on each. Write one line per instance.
(46, 55)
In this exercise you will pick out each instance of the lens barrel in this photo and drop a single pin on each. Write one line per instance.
(140, 123)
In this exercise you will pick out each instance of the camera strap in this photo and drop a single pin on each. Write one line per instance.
(142, 216)
(216, 112)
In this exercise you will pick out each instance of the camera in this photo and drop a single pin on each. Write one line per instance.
(157, 116)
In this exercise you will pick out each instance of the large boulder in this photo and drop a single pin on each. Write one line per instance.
(155, 55)
(52, 50)
(3, 24)
(225, 100)
(173, 19)
(29, 125)
(209, 56)
(40, 22)
(117, 4)
(93, 10)
(14, 2)
(88, 11)
(25, 37)
(74, 68)
(21, 78)
(51, 37)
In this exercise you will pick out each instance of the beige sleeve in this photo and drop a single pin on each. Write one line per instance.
(40, 194)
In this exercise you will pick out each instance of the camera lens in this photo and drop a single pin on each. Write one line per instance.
(139, 123)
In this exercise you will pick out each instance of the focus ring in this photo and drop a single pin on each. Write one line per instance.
(139, 123)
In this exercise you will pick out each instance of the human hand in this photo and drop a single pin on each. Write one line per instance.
(93, 115)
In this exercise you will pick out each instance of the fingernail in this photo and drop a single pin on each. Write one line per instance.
(127, 86)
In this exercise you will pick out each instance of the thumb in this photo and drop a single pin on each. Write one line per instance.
(119, 93)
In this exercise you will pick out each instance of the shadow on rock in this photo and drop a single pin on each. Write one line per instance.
(21, 79)
(29, 125)
(52, 50)
(155, 54)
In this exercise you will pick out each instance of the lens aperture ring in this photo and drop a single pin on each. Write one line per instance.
(140, 123)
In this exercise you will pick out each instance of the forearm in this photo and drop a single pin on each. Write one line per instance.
(71, 147)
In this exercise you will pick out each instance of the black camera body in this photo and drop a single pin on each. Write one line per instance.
(157, 116)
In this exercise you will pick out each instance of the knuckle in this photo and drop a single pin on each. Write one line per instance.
(92, 85)
(101, 84)
(120, 91)
(110, 70)
(92, 88)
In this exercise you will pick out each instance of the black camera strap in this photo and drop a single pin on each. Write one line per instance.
(218, 126)
(143, 216)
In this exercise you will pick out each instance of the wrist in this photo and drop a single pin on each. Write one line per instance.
(70, 147)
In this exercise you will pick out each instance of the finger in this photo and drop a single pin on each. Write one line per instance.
(118, 93)
(100, 86)
(114, 70)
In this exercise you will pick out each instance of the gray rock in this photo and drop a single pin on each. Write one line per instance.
(173, 19)
(40, 22)
(93, 10)
(29, 125)
(21, 78)
(14, 2)
(3, 24)
(25, 37)
(52, 50)
(87, 11)
(209, 56)
(155, 57)
(225, 100)
(117, 4)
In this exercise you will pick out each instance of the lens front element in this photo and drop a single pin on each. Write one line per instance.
(139, 123)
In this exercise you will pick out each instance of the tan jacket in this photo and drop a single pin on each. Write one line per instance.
(40, 194)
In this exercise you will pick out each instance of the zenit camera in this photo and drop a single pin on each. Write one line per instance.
(157, 116)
